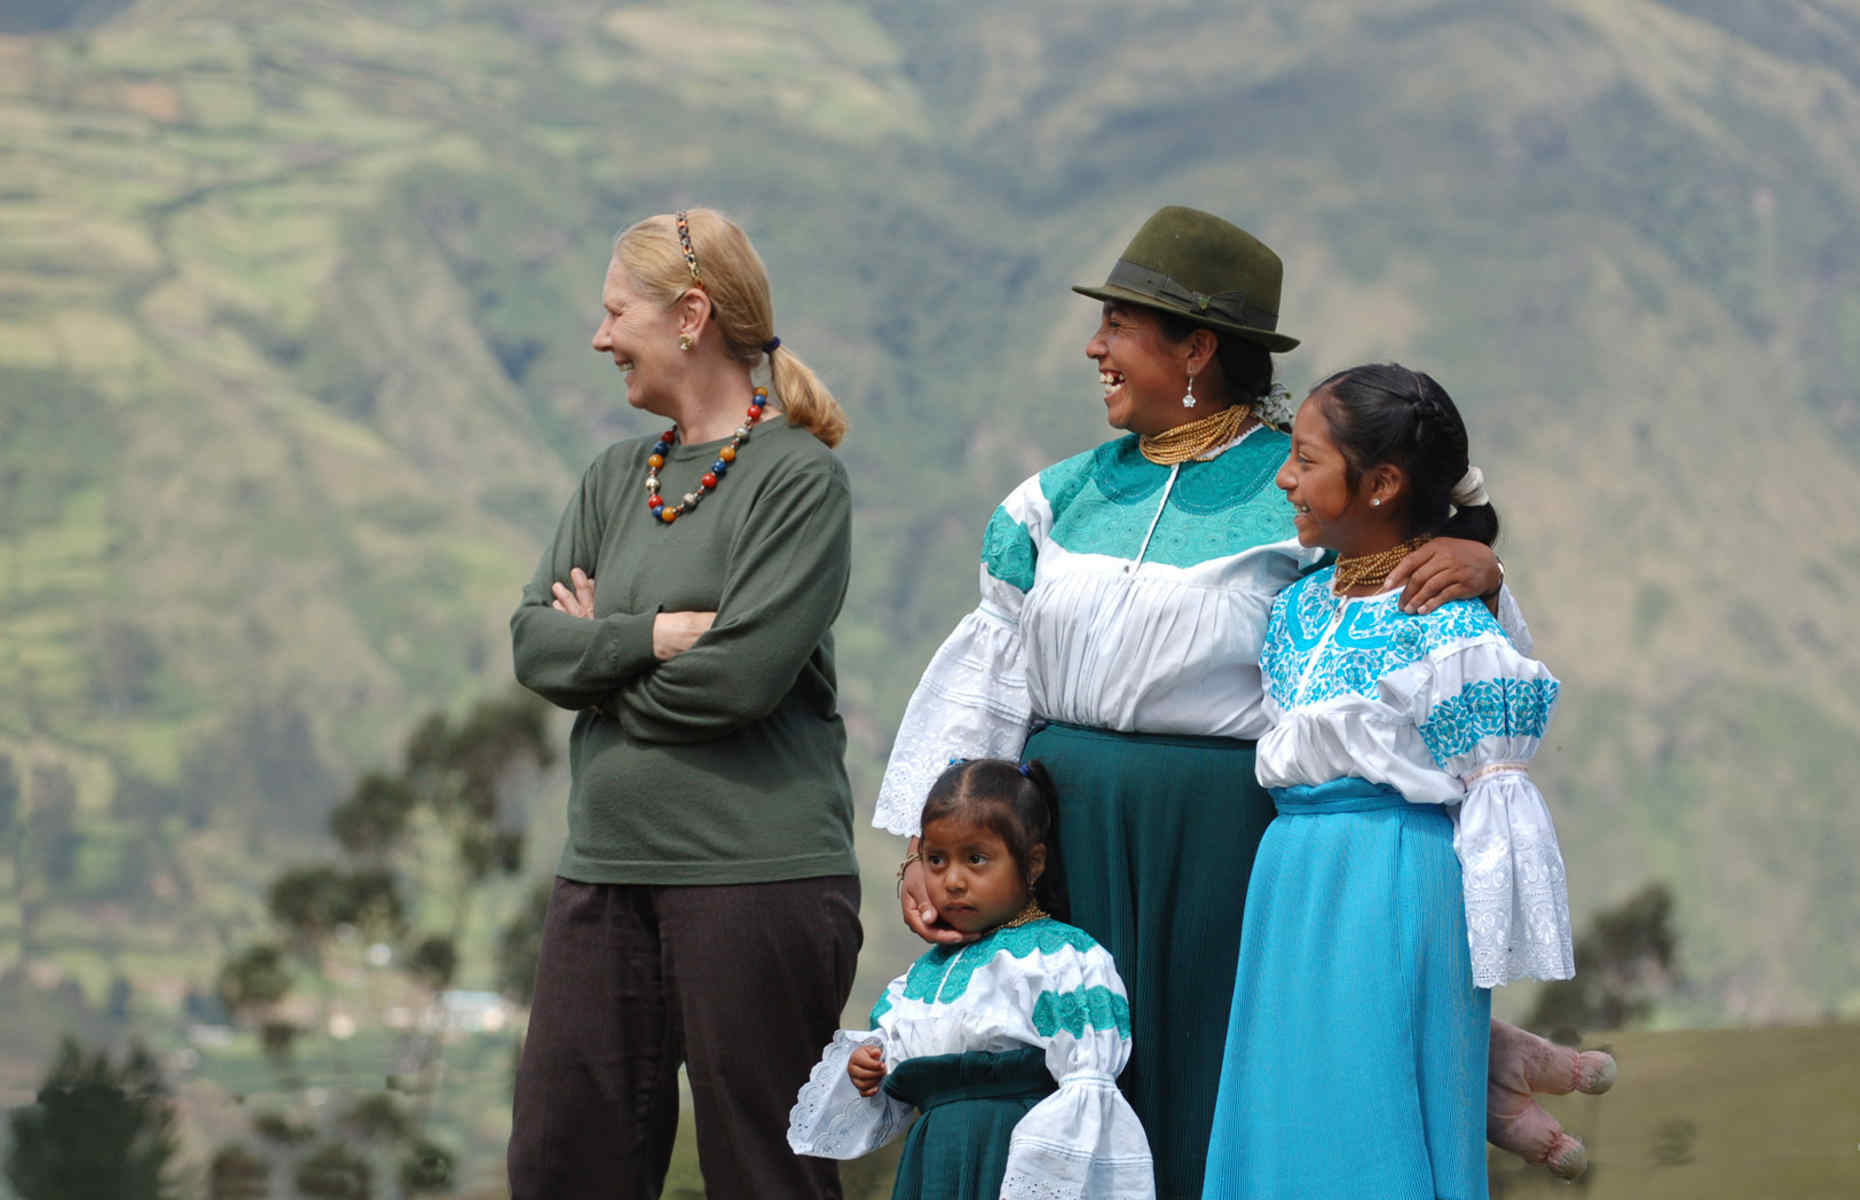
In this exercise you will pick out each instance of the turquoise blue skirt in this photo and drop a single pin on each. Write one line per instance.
(1356, 1047)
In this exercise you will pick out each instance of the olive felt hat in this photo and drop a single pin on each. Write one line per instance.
(1196, 266)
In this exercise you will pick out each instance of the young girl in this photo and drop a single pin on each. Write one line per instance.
(1010, 1045)
(1413, 865)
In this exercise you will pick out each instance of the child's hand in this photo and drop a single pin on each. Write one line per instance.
(867, 1069)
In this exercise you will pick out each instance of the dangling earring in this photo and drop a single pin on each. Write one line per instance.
(1188, 400)
(685, 342)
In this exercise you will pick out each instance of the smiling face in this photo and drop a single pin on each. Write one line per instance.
(974, 881)
(642, 339)
(1144, 374)
(1328, 511)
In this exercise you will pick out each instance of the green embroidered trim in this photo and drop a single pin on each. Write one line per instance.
(1488, 708)
(1062, 482)
(1218, 509)
(942, 974)
(1094, 1007)
(881, 1008)
(1007, 551)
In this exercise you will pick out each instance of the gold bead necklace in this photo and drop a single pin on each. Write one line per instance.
(1184, 442)
(1033, 912)
(1369, 570)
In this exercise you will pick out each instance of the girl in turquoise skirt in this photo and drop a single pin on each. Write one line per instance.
(1412, 865)
(1009, 1045)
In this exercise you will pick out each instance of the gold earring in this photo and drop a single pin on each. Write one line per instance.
(685, 342)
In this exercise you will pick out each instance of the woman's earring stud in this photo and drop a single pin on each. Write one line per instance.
(1375, 502)
(685, 342)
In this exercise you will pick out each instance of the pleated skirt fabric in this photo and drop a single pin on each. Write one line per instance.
(1157, 835)
(958, 1148)
(1355, 1062)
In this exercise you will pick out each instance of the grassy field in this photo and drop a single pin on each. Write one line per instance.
(1697, 1115)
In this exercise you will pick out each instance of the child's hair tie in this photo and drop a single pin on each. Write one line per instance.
(1026, 771)
(954, 759)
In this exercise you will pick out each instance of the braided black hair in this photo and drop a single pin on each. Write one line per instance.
(1385, 413)
(1016, 803)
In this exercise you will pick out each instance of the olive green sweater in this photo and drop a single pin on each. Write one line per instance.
(724, 764)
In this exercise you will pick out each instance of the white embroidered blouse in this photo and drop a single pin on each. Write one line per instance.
(1444, 709)
(1045, 985)
(1116, 594)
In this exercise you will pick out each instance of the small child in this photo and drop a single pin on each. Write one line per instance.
(1010, 1044)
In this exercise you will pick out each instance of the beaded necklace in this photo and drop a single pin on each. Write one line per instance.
(1360, 570)
(708, 481)
(1033, 912)
(1184, 442)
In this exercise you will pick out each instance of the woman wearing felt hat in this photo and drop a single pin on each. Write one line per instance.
(1125, 593)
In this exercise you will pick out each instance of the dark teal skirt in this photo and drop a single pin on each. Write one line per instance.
(1157, 836)
(970, 1103)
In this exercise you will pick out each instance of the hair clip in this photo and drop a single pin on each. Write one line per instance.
(956, 758)
(1026, 770)
(684, 241)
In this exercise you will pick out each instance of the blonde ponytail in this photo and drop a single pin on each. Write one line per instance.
(738, 286)
(804, 399)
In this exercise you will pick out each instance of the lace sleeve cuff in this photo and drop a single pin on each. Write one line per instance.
(830, 1119)
(1084, 1140)
(1517, 899)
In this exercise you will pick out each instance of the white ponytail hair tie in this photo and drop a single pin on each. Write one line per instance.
(1469, 492)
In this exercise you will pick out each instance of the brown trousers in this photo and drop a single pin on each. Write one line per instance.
(742, 983)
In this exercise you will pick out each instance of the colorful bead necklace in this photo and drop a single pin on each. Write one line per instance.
(708, 481)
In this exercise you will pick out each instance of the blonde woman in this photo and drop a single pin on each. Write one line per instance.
(705, 910)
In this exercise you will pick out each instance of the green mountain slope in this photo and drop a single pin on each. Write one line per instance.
(293, 373)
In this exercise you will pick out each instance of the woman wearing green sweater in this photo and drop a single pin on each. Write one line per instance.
(705, 910)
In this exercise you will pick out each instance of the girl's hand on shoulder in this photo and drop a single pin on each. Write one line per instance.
(866, 1069)
(576, 601)
(1446, 569)
(921, 915)
(673, 633)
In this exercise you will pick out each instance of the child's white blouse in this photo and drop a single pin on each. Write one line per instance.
(1045, 985)
(1443, 708)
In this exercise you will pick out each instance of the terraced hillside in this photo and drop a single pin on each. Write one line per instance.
(293, 376)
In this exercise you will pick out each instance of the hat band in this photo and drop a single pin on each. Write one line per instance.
(1229, 306)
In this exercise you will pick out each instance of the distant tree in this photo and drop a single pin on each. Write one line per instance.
(454, 777)
(236, 1173)
(1626, 961)
(97, 1129)
(52, 829)
(519, 946)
